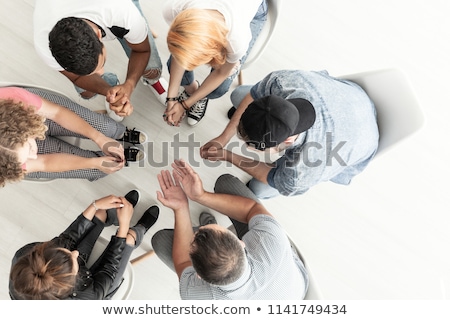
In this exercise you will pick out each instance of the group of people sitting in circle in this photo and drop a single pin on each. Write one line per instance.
(324, 129)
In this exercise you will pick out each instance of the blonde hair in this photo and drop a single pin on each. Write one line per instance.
(17, 124)
(197, 37)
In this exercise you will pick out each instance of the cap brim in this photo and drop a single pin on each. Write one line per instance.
(307, 114)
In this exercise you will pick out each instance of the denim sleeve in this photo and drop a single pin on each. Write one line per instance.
(270, 178)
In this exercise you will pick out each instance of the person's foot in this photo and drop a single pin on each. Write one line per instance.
(133, 136)
(231, 112)
(149, 217)
(197, 112)
(206, 218)
(158, 87)
(132, 197)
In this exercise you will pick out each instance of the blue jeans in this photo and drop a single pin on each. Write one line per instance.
(154, 62)
(256, 26)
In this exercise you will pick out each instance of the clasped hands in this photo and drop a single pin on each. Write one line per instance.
(118, 98)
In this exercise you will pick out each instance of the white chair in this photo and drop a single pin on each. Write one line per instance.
(314, 292)
(264, 37)
(399, 114)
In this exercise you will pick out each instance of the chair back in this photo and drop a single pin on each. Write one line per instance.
(399, 114)
(273, 11)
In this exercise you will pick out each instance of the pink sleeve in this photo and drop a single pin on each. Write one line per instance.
(19, 94)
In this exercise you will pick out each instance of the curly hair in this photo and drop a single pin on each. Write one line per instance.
(17, 124)
(218, 257)
(197, 37)
(75, 46)
(45, 273)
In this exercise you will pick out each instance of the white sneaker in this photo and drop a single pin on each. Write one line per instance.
(159, 88)
(197, 112)
(111, 113)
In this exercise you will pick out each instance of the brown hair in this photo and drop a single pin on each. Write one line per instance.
(197, 37)
(17, 124)
(217, 256)
(45, 273)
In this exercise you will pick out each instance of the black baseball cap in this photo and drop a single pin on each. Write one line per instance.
(270, 120)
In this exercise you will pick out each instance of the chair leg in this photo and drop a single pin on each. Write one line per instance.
(240, 78)
(142, 257)
(154, 34)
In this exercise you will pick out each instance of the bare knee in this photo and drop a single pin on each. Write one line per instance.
(152, 74)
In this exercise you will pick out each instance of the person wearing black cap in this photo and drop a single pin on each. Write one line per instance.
(326, 128)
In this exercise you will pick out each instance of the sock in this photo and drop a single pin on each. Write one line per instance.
(156, 85)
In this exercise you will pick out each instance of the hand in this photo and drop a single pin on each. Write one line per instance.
(119, 99)
(213, 147)
(108, 164)
(174, 113)
(109, 202)
(125, 213)
(215, 153)
(189, 179)
(171, 194)
(111, 147)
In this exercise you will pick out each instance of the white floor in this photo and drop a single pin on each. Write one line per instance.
(386, 236)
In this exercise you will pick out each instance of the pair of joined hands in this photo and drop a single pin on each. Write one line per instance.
(118, 98)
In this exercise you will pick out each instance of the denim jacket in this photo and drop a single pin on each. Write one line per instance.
(340, 144)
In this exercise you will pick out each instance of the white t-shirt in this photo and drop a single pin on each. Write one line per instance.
(118, 16)
(237, 13)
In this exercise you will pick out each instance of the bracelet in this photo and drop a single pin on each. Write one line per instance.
(171, 99)
(95, 207)
(183, 104)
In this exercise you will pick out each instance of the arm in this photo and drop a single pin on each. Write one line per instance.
(59, 162)
(172, 196)
(175, 111)
(212, 81)
(106, 271)
(242, 209)
(120, 95)
(230, 130)
(92, 82)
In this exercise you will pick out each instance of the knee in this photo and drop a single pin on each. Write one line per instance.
(152, 74)
(220, 90)
(222, 180)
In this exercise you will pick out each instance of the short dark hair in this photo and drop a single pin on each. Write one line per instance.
(75, 46)
(218, 257)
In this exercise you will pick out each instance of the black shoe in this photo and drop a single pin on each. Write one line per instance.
(149, 217)
(206, 218)
(231, 112)
(133, 155)
(111, 214)
(133, 197)
(197, 112)
(133, 136)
